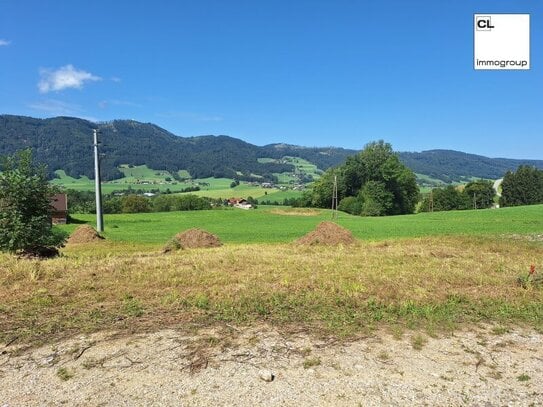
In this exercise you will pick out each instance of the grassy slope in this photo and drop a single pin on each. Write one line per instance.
(263, 226)
(217, 188)
(300, 164)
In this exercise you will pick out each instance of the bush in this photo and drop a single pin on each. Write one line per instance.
(350, 205)
(25, 208)
(135, 204)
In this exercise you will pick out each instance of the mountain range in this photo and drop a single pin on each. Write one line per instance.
(66, 143)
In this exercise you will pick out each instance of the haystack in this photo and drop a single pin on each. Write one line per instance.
(197, 238)
(328, 233)
(84, 234)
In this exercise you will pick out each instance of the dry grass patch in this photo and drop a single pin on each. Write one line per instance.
(84, 234)
(339, 290)
(328, 233)
(296, 212)
(197, 238)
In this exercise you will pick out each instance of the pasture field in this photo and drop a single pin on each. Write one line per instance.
(301, 166)
(142, 172)
(268, 225)
(209, 187)
(86, 184)
(430, 272)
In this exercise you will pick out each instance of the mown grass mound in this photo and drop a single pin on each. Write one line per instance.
(329, 234)
(197, 238)
(84, 234)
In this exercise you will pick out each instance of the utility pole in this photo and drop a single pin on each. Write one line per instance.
(97, 185)
(334, 199)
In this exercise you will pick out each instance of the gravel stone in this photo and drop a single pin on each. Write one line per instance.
(474, 367)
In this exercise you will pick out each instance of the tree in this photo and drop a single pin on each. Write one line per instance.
(376, 199)
(479, 194)
(25, 207)
(448, 198)
(350, 205)
(378, 180)
(523, 187)
(134, 204)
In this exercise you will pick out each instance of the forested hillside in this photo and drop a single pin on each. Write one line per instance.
(66, 143)
(449, 166)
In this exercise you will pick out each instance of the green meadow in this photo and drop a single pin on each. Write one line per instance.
(141, 177)
(281, 225)
(432, 272)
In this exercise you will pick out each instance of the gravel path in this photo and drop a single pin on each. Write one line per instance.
(260, 367)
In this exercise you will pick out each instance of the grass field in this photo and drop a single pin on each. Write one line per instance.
(86, 184)
(263, 226)
(134, 178)
(142, 173)
(430, 272)
(300, 165)
(430, 284)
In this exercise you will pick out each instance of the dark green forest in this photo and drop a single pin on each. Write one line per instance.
(66, 143)
(455, 166)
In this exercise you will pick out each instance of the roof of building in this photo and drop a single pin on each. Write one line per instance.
(59, 202)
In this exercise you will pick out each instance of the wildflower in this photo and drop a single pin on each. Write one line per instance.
(532, 269)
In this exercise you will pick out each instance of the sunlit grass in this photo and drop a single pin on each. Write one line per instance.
(434, 283)
(267, 225)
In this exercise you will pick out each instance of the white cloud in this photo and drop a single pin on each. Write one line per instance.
(64, 78)
(4, 42)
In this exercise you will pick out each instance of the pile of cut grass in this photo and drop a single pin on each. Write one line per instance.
(433, 283)
(265, 225)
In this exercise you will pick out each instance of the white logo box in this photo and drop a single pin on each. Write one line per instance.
(501, 41)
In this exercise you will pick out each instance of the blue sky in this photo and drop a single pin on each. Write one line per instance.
(314, 73)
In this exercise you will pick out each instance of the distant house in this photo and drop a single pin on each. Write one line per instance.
(59, 213)
(239, 203)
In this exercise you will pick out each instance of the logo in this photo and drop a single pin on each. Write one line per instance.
(501, 41)
(483, 23)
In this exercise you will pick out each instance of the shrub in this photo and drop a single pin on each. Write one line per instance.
(25, 208)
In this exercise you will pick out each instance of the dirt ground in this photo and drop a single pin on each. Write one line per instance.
(489, 366)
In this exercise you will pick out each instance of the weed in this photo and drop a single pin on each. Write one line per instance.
(311, 362)
(500, 330)
(64, 374)
(91, 363)
(523, 377)
(397, 332)
(383, 355)
(495, 374)
(132, 307)
(418, 341)
(172, 245)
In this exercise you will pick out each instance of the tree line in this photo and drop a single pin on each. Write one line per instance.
(84, 202)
